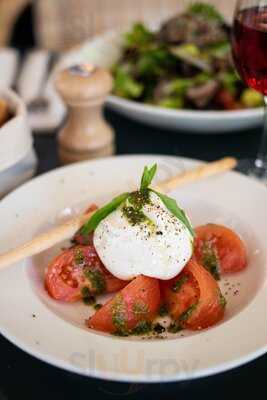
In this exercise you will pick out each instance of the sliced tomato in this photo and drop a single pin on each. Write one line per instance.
(77, 268)
(211, 305)
(194, 298)
(139, 301)
(180, 293)
(222, 243)
(85, 239)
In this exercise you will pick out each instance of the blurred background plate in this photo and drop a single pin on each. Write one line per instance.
(104, 51)
(19, 173)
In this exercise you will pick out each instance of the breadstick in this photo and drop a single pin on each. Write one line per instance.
(45, 240)
(196, 174)
(68, 229)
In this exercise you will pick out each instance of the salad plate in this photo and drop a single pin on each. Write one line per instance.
(55, 333)
(171, 78)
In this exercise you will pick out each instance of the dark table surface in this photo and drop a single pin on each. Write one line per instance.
(22, 376)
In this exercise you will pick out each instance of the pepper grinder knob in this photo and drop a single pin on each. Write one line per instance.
(86, 134)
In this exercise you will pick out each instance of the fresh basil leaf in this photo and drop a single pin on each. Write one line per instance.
(148, 176)
(175, 210)
(102, 213)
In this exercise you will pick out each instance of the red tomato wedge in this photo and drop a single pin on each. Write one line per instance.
(211, 305)
(139, 301)
(216, 242)
(77, 268)
(180, 293)
(194, 298)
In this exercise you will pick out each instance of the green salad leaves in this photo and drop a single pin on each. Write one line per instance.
(144, 190)
(139, 36)
(184, 64)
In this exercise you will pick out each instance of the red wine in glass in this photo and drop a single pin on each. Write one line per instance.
(249, 47)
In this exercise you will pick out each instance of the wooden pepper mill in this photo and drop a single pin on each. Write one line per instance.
(86, 134)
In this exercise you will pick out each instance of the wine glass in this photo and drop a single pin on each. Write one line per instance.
(249, 48)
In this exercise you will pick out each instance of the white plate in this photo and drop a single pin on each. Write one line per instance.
(104, 50)
(55, 332)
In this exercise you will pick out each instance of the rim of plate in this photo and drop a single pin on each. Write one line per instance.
(229, 329)
(205, 114)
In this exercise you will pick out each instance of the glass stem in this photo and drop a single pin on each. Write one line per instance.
(261, 160)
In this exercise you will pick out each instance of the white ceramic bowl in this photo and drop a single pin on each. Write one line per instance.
(15, 135)
(104, 50)
(56, 333)
(18, 173)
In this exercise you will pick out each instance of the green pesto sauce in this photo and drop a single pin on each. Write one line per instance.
(87, 297)
(222, 300)
(119, 316)
(179, 283)
(85, 292)
(132, 210)
(146, 327)
(210, 260)
(158, 328)
(79, 256)
(142, 328)
(140, 308)
(187, 314)
(175, 327)
(134, 216)
(139, 198)
(178, 325)
(97, 281)
(163, 311)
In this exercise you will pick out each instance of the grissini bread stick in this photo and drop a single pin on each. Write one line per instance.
(44, 240)
(198, 173)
